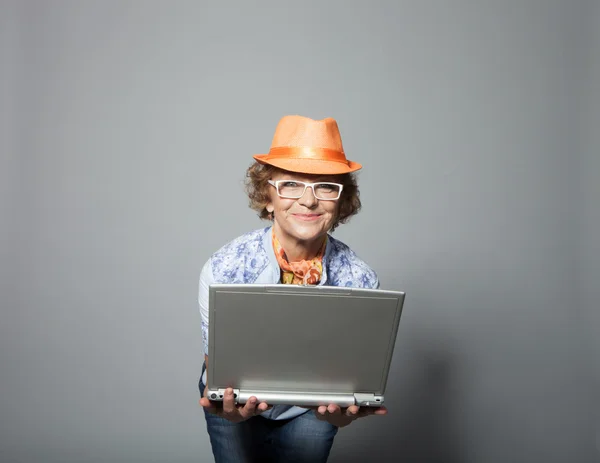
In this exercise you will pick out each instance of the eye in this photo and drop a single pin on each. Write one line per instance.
(289, 184)
(326, 187)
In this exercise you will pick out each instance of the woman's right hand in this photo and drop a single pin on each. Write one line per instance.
(229, 410)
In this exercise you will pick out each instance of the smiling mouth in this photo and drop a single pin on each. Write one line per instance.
(307, 216)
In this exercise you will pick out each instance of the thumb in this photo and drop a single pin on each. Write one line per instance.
(204, 402)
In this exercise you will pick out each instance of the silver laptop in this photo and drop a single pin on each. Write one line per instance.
(301, 345)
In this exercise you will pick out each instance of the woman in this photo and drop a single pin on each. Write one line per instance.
(305, 186)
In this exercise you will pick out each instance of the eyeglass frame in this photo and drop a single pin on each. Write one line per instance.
(306, 185)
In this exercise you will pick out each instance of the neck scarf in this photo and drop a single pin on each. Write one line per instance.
(302, 272)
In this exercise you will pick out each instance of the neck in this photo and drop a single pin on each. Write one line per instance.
(295, 249)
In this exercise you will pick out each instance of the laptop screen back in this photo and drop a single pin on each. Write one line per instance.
(313, 339)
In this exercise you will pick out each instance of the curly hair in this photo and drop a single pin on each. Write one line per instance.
(257, 188)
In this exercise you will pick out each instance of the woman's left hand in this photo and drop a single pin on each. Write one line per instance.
(339, 417)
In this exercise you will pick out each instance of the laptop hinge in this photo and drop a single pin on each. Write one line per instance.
(368, 400)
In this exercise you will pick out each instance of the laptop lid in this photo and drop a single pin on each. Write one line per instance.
(300, 345)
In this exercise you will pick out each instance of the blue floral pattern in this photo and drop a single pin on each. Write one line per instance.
(345, 268)
(242, 260)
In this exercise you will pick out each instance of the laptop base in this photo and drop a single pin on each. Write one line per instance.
(300, 399)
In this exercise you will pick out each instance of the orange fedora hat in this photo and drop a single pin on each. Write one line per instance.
(307, 146)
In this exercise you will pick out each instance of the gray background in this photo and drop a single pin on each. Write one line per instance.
(126, 131)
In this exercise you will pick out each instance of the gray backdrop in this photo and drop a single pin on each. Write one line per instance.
(126, 131)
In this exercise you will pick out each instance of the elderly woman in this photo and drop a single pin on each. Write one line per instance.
(306, 187)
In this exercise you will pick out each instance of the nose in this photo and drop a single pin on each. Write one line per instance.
(308, 199)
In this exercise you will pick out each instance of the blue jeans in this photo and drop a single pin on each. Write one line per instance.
(297, 440)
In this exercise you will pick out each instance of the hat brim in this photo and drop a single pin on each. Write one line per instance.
(309, 166)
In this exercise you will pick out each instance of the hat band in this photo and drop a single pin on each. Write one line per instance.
(305, 152)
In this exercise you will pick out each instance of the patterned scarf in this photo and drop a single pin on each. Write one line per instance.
(302, 272)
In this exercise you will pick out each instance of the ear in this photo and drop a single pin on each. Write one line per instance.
(269, 207)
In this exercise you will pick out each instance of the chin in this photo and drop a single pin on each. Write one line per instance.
(308, 233)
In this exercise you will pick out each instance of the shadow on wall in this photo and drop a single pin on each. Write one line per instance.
(424, 426)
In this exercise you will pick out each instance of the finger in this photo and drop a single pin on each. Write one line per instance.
(334, 409)
(249, 409)
(228, 401)
(208, 405)
(380, 411)
(376, 410)
(367, 411)
(320, 412)
(263, 407)
(352, 410)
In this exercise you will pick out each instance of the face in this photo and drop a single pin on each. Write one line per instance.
(306, 219)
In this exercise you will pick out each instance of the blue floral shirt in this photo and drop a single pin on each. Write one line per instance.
(250, 259)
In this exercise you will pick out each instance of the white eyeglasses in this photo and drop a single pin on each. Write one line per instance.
(294, 189)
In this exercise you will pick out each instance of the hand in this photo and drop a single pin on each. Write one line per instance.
(339, 417)
(229, 410)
